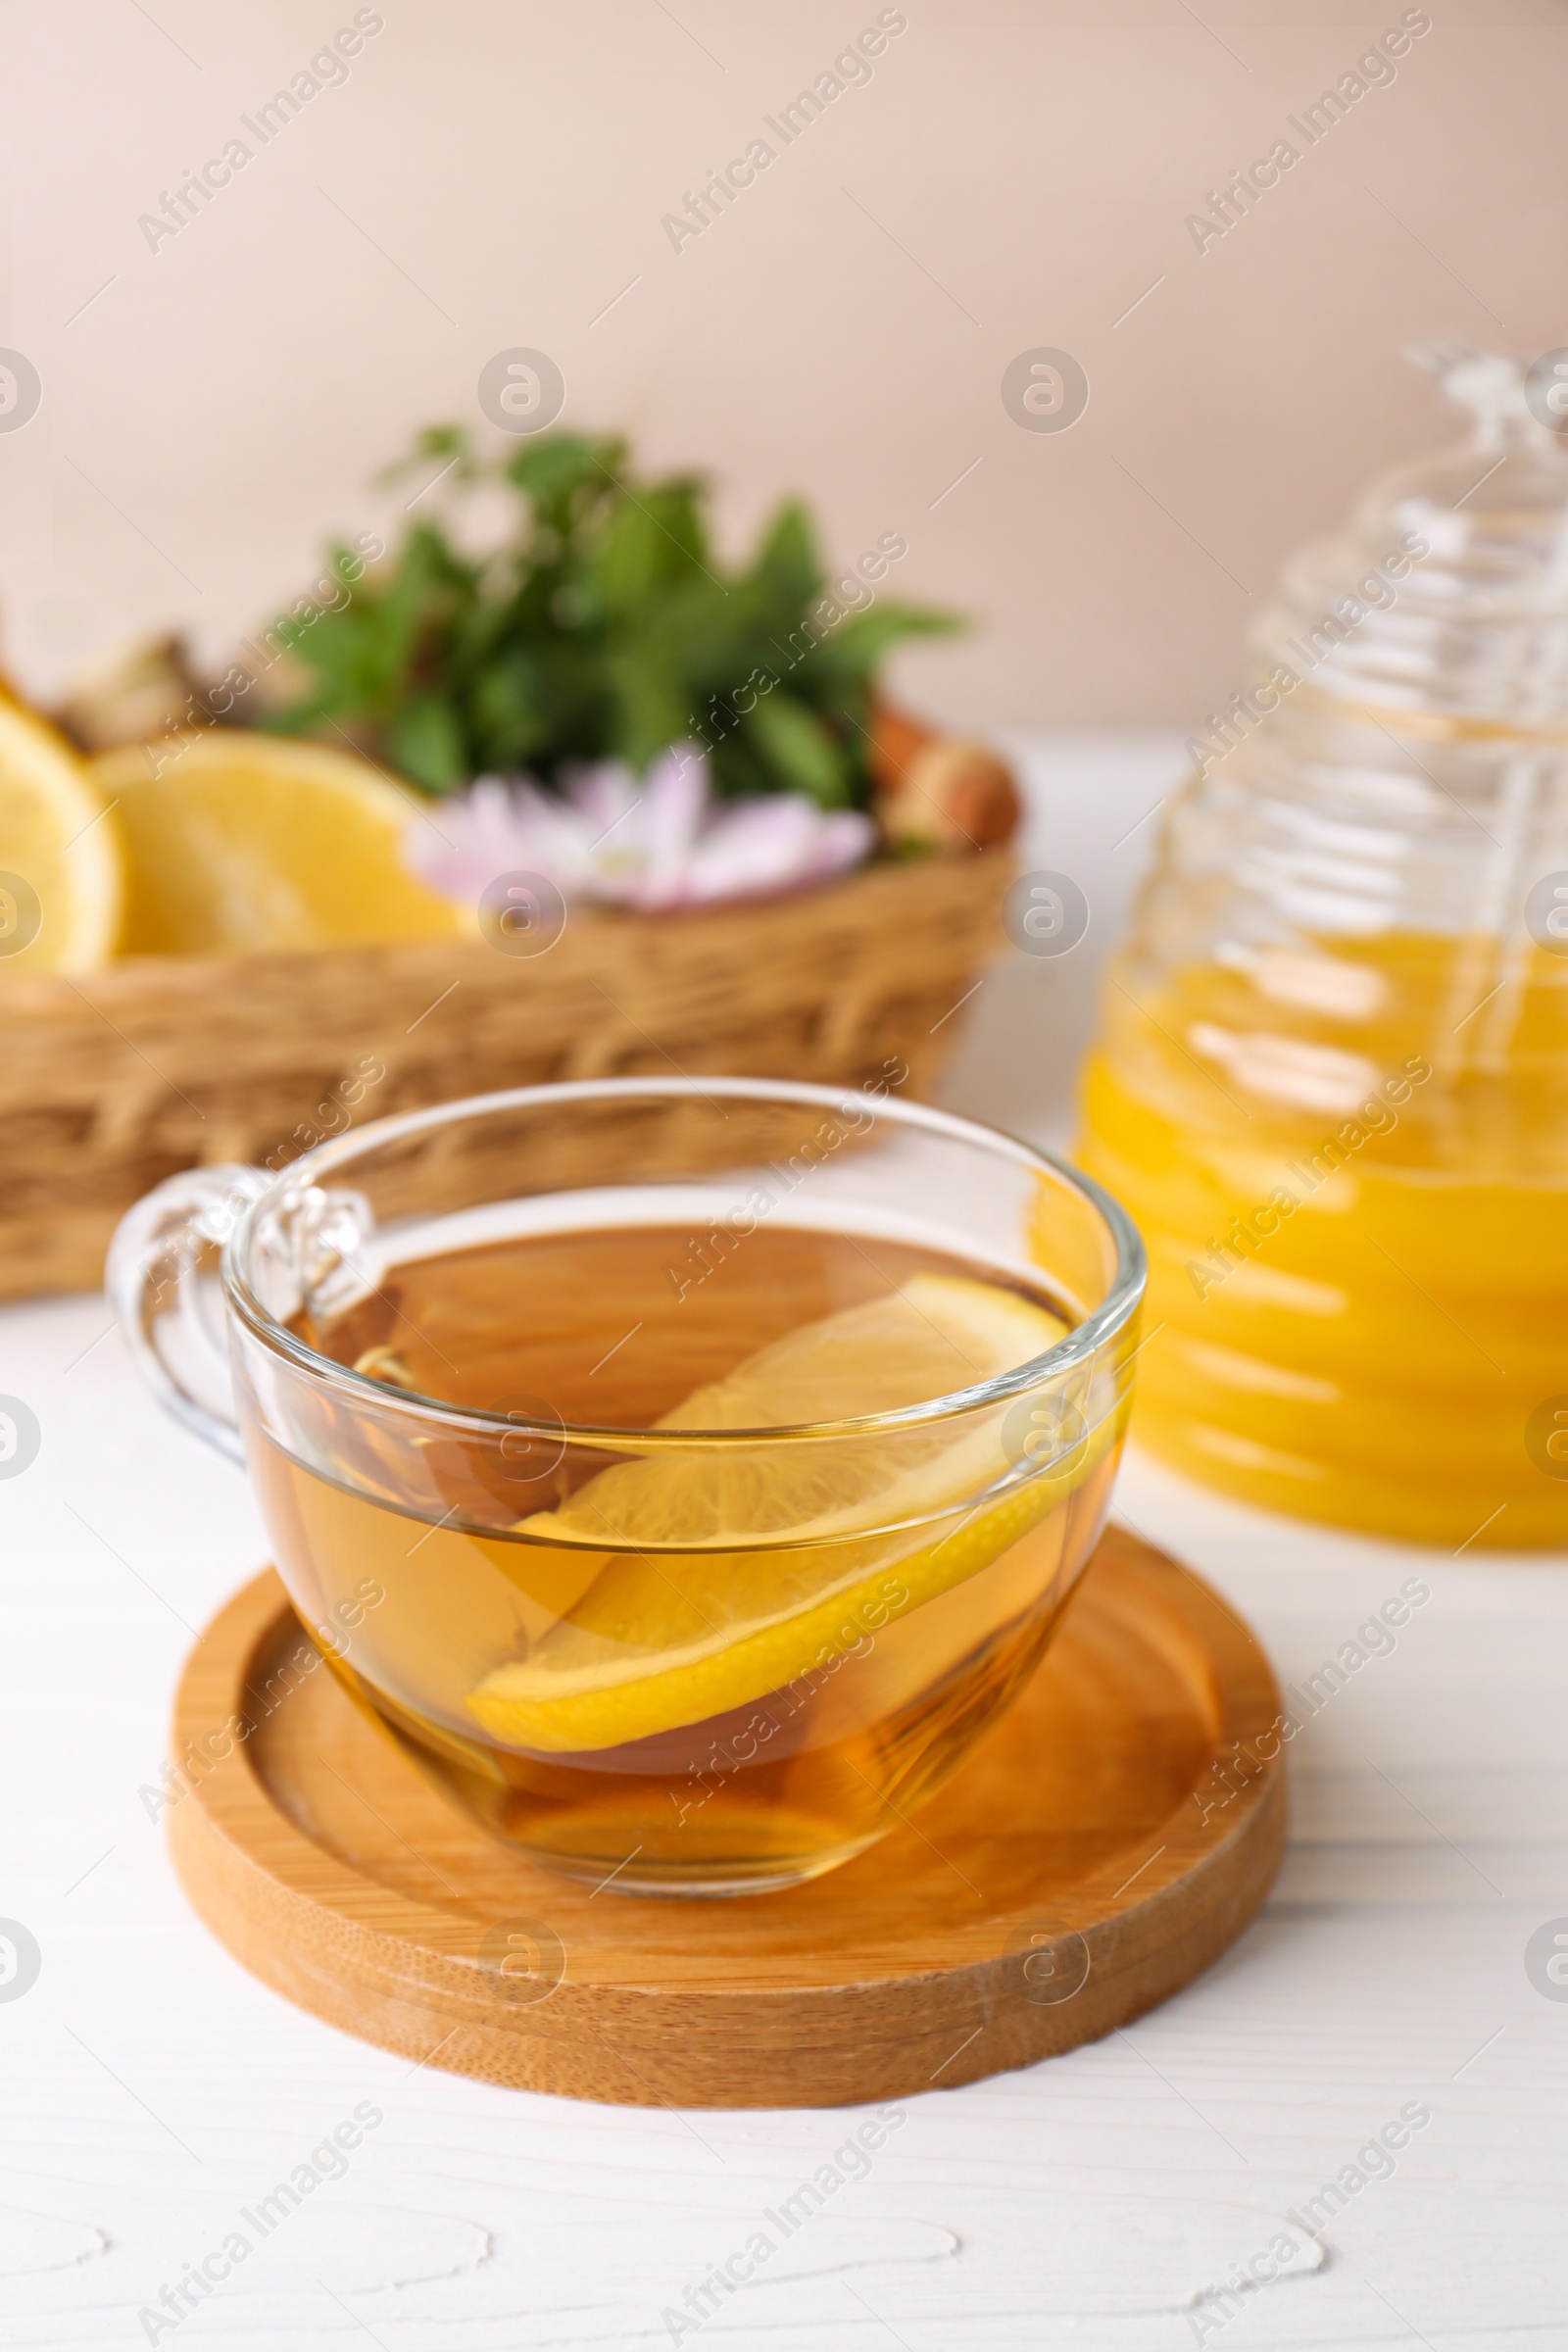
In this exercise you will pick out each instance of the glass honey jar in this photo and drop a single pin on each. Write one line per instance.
(1331, 1079)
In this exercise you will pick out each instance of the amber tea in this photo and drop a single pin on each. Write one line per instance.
(719, 1454)
(712, 1664)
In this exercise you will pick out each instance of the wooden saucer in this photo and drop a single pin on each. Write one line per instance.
(1104, 1844)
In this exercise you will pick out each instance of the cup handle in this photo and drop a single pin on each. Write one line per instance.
(159, 1277)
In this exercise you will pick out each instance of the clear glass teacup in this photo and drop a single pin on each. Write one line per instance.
(688, 1474)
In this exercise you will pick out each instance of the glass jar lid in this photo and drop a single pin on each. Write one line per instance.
(1446, 595)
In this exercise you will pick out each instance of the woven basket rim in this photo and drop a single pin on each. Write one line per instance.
(607, 925)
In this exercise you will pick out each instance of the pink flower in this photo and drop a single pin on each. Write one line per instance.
(667, 843)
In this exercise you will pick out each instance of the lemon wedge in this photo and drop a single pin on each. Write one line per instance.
(238, 843)
(686, 1625)
(60, 876)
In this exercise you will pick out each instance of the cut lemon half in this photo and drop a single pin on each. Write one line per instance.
(60, 874)
(238, 843)
(686, 1626)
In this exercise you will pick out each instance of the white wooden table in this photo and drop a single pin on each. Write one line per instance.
(153, 2091)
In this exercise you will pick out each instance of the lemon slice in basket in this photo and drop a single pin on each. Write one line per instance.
(236, 842)
(671, 1636)
(59, 885)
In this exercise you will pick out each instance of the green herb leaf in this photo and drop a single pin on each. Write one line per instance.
(602, 626)
(425, 739)
(791, 739)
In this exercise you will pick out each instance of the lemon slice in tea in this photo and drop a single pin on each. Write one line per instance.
(685, 1626)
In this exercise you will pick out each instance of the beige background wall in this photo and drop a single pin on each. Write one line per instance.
(494, 173)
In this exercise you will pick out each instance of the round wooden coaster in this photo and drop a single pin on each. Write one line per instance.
(1104, 1844)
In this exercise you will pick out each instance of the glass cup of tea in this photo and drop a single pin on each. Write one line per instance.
(688, 1474)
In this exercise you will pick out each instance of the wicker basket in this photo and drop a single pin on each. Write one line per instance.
(111, 1083)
